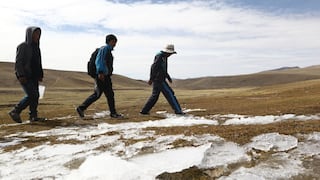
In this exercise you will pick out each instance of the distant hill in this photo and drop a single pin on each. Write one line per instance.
(271, 77)
(284, 68)
(66, 79)
(70, 79)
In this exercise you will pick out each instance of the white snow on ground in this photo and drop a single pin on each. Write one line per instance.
(279, 166)
(284, 163)
(274, 142)
(310, 146)
(103, 156)
(234, 119)
(140, 167)
(222, 154)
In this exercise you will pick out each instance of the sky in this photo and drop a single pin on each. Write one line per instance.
(102, 151)
(212, 37)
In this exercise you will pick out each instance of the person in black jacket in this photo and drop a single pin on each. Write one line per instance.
(28, 69)
(158, 76)
(103, 83)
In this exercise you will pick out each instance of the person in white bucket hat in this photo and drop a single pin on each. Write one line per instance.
(169, 49)
(158, 76)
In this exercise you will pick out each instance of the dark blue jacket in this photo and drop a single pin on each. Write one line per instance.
(159, 68)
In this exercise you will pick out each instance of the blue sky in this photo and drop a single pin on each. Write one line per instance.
(212, 38)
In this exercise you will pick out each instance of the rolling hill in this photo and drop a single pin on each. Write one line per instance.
(70, 79)
(66, 79)
(265, 78)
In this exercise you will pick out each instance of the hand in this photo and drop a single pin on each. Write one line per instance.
(22, 80)
(149, 82)
(101, 77)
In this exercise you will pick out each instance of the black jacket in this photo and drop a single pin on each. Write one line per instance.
(159, 69)
(28, 57)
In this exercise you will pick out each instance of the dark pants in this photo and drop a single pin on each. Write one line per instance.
(168, 94)
(101, 87)
(31, 99)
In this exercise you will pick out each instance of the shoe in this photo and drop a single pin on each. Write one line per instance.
(15, 116)
(80, 112)
(180, 113)
(116, 115)
(33, 119)
(144, 113)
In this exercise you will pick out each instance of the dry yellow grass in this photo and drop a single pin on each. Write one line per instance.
(301, 97)
(296, 98)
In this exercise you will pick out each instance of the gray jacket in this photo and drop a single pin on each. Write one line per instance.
(28, 57)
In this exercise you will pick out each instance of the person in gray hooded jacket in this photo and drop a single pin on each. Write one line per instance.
(29, 72)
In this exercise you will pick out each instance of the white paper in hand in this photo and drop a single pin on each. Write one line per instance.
(41, 91)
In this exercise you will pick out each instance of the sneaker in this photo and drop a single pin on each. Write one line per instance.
(144, 113)
(33, 119)
(116, 115)
(180, 113)
(15, 116)
(80, 112)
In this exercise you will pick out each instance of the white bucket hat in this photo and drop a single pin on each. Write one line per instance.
(169, 49)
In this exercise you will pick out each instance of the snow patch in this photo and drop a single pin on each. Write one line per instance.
(234, 119)
(279, 166)
(102, 156)
(274, 142)
(223, 153)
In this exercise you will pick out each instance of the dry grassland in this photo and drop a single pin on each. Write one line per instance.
(296, 98)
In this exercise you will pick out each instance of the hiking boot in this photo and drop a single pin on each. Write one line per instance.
(180, 113)
(116, 115)
(15, 116)
(80, 112)
(144, 113)
(33, 119)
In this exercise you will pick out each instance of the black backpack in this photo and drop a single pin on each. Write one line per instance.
(91, 66)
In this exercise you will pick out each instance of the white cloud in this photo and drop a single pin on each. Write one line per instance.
(211, 38)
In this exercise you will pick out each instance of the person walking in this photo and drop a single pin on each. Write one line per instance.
(158, 76)
(28, 70)
(103, 83)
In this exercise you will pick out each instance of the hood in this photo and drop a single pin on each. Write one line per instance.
(29, 33)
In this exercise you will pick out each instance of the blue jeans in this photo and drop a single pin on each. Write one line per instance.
(168, 94)
(31, 99)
